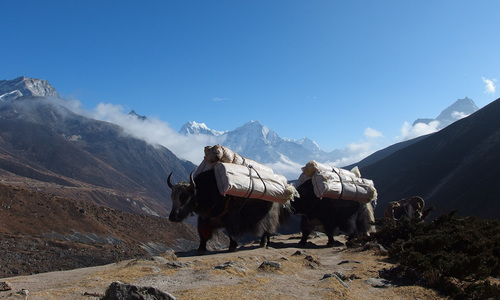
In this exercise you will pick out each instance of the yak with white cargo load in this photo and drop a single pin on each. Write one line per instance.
(338, 200)
(254, 205)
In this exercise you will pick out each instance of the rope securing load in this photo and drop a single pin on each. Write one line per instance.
(239, 176)
(337, 183)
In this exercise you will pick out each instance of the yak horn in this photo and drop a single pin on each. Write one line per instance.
(168, 181)
(191, 180)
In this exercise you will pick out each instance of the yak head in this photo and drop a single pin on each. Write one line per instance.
(408, 207)
(183, 199)
(304, 198)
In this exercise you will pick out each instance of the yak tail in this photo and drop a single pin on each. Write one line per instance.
(369, 219)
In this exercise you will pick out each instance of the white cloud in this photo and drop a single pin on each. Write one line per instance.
(290, 169)
(354, 152)
(155, 132)
(410, 132)
(357, 151)
(490, 87)
(457, 115)
(372, 133)
(218, 99)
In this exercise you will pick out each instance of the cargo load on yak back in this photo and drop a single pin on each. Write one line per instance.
(232, 192)
(239, 176)
(337, 183)
(339, 200)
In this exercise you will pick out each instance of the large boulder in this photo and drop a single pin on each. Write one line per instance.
(122, 291)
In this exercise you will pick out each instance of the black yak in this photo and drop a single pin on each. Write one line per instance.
(236, 214)
(350, 217)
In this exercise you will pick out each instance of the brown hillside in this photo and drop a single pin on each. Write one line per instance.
(41, 232)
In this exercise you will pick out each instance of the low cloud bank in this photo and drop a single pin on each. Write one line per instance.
(156, 132)
(290, 169)
(153, 131)
(355, 152)
(410, 132)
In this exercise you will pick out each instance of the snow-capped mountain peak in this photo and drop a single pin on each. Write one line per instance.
(24, 86)
(198, 128)
(258, 142)
(308, 144)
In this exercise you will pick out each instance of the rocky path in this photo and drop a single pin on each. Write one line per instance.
(280, 272)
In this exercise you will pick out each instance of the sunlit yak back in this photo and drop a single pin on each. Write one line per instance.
(238, 215)
(334, 213)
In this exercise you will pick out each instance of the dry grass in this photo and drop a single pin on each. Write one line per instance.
(237, 275)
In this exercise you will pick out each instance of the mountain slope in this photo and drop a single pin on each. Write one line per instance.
(455, 168)
(70, 155)
(459, 109)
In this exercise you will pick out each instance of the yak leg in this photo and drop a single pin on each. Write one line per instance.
(265, 239)
(306, 228)
(205, 232)
(233, 245)
(329, 233)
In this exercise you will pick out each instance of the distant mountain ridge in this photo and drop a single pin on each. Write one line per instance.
(258, 142)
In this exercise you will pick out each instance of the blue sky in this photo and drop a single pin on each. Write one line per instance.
(343, 73)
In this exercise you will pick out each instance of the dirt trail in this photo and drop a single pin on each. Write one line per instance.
(298, 274)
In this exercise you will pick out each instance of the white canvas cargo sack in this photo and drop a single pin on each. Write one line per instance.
(244, 181)
(217, 153)
(313, 166)
(343, 185)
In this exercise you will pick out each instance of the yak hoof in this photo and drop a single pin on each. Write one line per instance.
(334, 244)
(265, 245)
(233, 249)
(201, 251)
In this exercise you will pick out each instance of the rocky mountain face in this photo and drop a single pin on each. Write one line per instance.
(454, 168)
(23, 86)
(48, 147)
